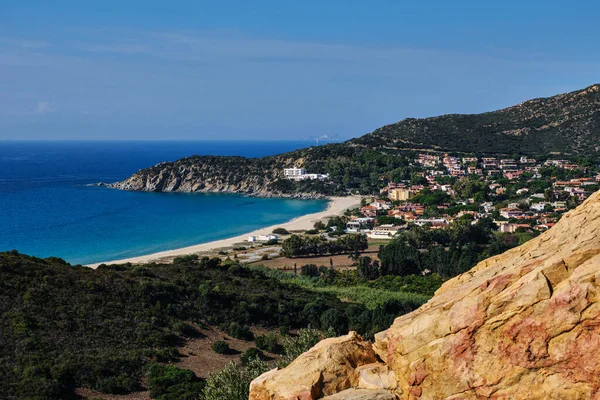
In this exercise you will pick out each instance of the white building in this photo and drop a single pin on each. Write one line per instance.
(294, 172)
(300, 173)
(383, 232)
(262, 238)
(539, 206)
(359, 224)
(431, 221)
(511, 213)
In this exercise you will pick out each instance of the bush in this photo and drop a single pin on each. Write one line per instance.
(239, 331)
(233, 381)
(312, 231)
(319, 225)
(271, 242)
(294, 346)
(280, 231)
(335, 320)
(268, 343)
(187, 258)
(251, 354)
(221, 347)
(284, 330)
(167, 382)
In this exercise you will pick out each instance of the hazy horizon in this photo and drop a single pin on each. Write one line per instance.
(272, 71)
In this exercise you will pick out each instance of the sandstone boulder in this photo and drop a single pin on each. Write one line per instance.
(328, 368)
(362, 394)
(521, 325)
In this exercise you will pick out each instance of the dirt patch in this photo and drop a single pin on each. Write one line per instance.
(198, 356)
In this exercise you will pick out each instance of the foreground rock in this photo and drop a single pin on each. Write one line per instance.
(521, 325)
(328, 368)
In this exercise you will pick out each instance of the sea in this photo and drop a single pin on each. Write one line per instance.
(47, 207)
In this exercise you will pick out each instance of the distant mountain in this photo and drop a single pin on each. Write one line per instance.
(565, 125)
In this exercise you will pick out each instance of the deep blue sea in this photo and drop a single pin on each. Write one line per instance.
(46, 209)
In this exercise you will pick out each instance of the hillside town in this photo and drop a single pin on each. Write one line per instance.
(518, 194)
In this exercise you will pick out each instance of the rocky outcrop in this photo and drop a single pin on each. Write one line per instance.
(521, 325)
(328, 368)
(208, 174)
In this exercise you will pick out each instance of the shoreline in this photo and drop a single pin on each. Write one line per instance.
(336, 206)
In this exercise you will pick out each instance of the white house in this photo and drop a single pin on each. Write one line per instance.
(383, 232)
(262, 238)
(511, 212)
(300, 173)
(539, 206)
(358, 224)
(431, 221)
(294, 172)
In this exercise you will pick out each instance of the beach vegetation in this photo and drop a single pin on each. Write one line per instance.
(186, 258)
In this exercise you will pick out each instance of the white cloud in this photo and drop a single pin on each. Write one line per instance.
(44, 107)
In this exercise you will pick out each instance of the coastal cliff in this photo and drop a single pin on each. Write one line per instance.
(209, 174)
(521, 325)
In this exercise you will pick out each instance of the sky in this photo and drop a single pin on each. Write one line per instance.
(278, 70)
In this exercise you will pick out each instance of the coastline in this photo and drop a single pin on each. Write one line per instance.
(336, 206)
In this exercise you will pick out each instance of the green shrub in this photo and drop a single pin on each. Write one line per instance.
(167, 382)
(280, 231)
(335, 320)
(251, 354)
(238, 331)
(294, 346)
(233, 381)
(187, 258)
(268, 343)
(221, 347)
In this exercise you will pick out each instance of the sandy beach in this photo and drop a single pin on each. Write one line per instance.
(337, 205)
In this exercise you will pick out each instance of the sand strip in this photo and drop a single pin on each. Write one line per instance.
(337, 206)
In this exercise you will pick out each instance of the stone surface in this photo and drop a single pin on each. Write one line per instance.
(521, 325)
(327, 368)
(362, 394)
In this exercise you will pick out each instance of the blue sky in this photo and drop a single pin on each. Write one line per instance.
(278, 69)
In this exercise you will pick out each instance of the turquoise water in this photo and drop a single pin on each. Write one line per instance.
(46, 209)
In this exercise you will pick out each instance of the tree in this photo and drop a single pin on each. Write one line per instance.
(335, 320)
(367, 269)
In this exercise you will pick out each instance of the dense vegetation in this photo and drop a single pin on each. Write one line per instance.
(64, 327)
(296, 245)
(567, 123)
(445, 252)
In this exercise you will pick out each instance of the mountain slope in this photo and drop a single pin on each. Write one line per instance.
(568, 124)
(521, 325)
